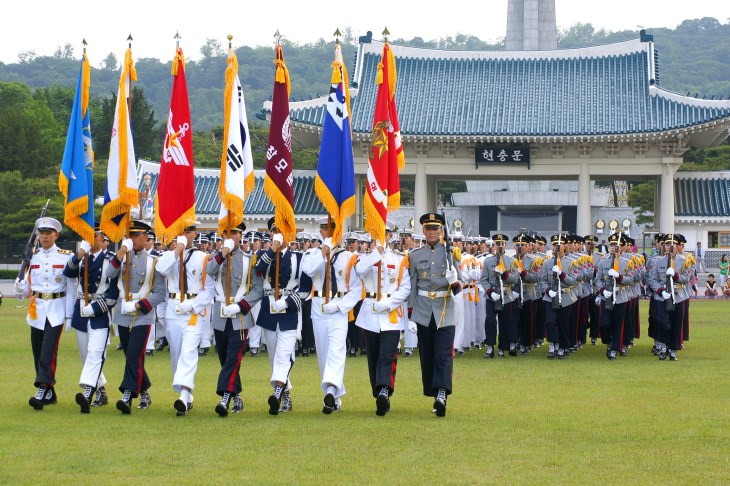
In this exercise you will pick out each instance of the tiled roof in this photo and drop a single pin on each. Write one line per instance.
(701, 197)
(604, 90)
(208, 203)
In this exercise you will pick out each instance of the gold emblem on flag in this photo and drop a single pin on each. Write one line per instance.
(379, 142)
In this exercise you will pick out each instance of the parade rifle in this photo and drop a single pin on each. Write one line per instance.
(31, 246)
(557, 300)
(669, 303)
(447, 242)
(608, 305)
(520, 298)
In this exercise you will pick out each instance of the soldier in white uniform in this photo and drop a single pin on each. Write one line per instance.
(97, 295)
(381, 316)
(235, 296)
(330, 308)
(52, 297)
(410, 339)
(187, 300)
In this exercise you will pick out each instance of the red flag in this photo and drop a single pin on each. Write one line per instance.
(386, 152)
(279, 181)
(175, 198)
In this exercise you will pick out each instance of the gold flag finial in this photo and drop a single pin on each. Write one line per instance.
(337, 35)
(177, 39)
(129, 40)
(83, 41)
(230, 38)
(386, 33)
(278, 37)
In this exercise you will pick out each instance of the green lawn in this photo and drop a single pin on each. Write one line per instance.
(518, 420)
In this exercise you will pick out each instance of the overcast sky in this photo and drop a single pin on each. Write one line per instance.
(43, 25)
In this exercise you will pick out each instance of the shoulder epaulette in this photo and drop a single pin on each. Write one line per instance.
(36, 250)
(65, 252)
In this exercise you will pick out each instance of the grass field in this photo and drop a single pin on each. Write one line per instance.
(517, 420)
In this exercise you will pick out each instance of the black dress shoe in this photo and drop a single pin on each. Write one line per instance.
(202, 352)
(149, 352)
(329, 404)
(120, 347)
(182, 408)
(382, 404)
(83, 401)
(305, 352)
(124, 406)
(50, 398)
(162, 344)
(439, 408)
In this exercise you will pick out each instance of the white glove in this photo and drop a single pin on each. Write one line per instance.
(328, 243)
(86, 246)
(330, 307)
(231, 310)
(228, 244)
(129, 307)
(613, 273)
(670, 272)
(412, 327)
(598, 300)
(19, 288)
(381, 305)
(278, 237)
(552, 293)
(182, 239)
(498, 270)
(666, 295)
(515, 294)
(607, 294)
(186, 306)
(556, 270)
(451, 275)
(279, 305)
(127, 244)
(87, 311)
(494, 296)
(67, 325)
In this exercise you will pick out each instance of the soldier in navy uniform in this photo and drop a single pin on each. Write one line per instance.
(434, 280)
(278, 316)
(235, 296)
(92, 316)
(52, 298)
(135, 313)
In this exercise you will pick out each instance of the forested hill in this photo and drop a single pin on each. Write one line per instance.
(694, 58)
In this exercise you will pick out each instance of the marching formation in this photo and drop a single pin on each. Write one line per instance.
(442, 295)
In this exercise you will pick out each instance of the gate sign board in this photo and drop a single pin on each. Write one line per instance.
(502, 155)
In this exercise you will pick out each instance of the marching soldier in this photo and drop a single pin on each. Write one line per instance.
(278, 317)
(387, 285)
(556, 285)
(669, 282)
(410, 340)
(613, 278)
(434, 280)
(238, 288)
(97, 295)
(330, 308)
(136, 312)
(527, 265)
(189, 294)
(52, 297)
(497, 282)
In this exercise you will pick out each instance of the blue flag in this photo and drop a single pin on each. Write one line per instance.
(76, 180)
(335, 181)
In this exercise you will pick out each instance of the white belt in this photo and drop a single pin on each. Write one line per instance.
(434, 294)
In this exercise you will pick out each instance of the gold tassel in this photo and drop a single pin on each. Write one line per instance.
(393, 317)
(32, 311)
(336, 73)
(351, 316)
(379, 78)
(280, 77)
(193, 320)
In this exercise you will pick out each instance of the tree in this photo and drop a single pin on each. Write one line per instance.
(31, 140)
(212, 48)
(641, 197)
(110, 62)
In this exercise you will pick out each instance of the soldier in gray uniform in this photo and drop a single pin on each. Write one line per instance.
(497, 281)
(669, 281)
(434, 280)
(135, 312)
(235, 296)
(613, 278)
(556, 285)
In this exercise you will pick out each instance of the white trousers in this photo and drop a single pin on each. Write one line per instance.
(459, 315)
(254, 337)
(205, 330)
(184, 341)
(92, 349)
(330, 338)
(468, 336)
(280, 345)
(151, 339)
(481, 315)
(160, 324)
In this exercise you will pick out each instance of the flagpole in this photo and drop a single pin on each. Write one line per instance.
(229, 224)
(128, 216)
(277, 36)
(328, 264)
(86, 255)
(182, 253)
